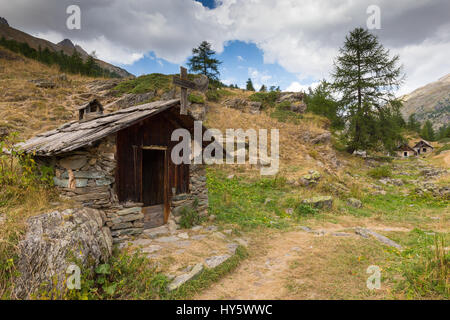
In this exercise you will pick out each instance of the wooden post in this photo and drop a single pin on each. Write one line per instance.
(185, 84)
(184, 100)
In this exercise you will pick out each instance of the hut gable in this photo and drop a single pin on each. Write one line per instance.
(405, 150)
(423, 147)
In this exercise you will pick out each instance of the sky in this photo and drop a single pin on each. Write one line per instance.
(286, 43)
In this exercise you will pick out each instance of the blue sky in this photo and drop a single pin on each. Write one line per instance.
(240, 61)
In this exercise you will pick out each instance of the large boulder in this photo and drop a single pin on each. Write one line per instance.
(236, 103)
(56, 240)
(290, 96)
(323, 202)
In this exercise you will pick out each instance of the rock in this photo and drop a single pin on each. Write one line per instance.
(198, 237)
(235, 103)
(4, 132)
(355, 203)
(298, 107)
(201, 83)
(232, 247)
(182, 279)
(183, 235)
(212, 217)
(310, 179)
(360, 153)
(290, 96)
(197, 228)
(289, 211)
(306, 229)
(231, 176)
(127, 211)
(211, 228)
(50, 242)
(215, 261)
(255, 107)
(323, 202)
(168, 239)
(366, 233)
(43, 83)
(219, 235)
(241, 241)
(322, 138)
(73, 162)
(151, 249)
(341, 234)
(3, 21)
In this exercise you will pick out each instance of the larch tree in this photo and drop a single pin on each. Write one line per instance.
(203, 61)
(366, 77)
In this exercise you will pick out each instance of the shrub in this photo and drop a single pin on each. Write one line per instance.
(190, 216)
(193, 98)
(266, 98)
(380, 172)
(212, 95)
(304, 210)
(125, 276)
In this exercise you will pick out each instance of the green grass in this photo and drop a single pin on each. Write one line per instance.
(249, 204)
(208, 277)
(145, 83)
(283, 113)
(267, 99)
(423, 264)
(380, 172)
(443, 148)
(399, 208)
(195, 98)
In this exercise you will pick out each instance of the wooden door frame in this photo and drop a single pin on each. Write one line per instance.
(166, 194)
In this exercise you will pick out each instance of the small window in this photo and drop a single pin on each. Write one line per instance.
(405, 154)
(424, 149)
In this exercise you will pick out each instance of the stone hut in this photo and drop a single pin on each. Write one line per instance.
(120, 163)
(423, 147)
(405, 151)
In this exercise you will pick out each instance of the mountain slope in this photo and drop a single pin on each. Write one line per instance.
(431, 102)
(66, 46)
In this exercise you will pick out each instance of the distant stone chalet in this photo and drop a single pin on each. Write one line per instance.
(421, 147)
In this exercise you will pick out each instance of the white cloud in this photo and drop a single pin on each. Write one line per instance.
(301, 36)
(111, 52)
(298, 87)
(240, 58)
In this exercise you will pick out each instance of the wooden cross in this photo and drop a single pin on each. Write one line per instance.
(185, 84)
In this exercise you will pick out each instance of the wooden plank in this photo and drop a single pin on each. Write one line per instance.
(163, 148)
(184, 83)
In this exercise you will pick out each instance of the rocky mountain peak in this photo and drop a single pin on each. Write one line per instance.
(66, 43)
(4, 21)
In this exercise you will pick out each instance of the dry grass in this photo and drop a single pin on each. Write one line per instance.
(28, 109)
(296, 156)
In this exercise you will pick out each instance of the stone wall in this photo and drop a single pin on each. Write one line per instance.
(125, 221)
(87, 175)
(198, 191)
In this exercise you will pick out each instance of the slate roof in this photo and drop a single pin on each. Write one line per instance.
(76, 134)
(422, 143)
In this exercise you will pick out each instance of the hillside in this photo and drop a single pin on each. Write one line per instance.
(287, 248)
(430, 102)
(66, 46)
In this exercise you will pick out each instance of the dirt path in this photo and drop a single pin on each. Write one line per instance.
(300, 265)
